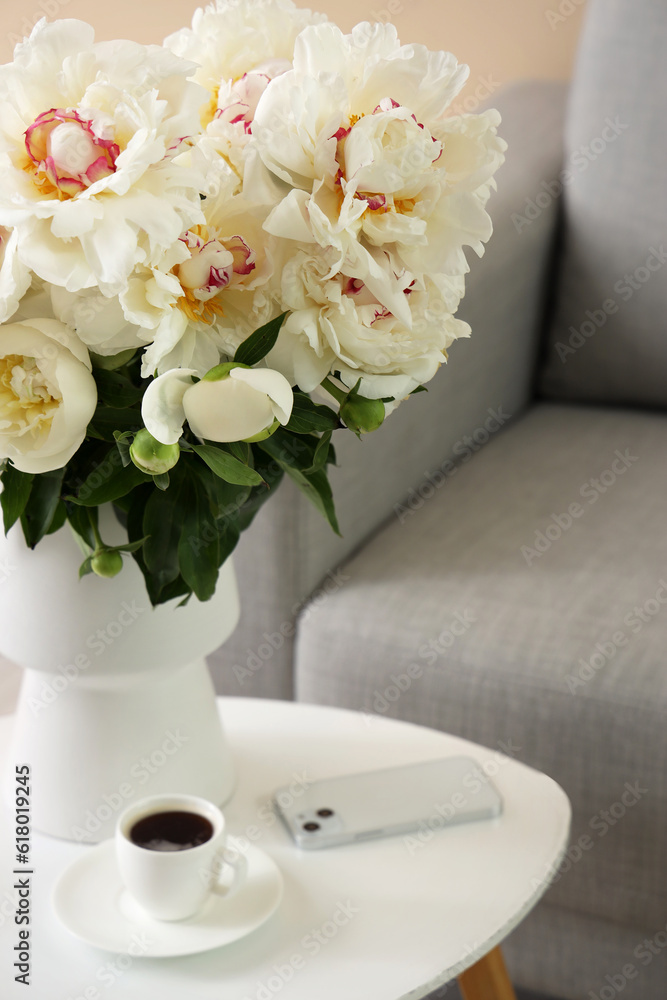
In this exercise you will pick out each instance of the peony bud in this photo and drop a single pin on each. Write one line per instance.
(263, 435)
(152, 457)
(107, 563)
(362, 415)
(236, 403)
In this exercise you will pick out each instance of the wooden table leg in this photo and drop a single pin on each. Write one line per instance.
(487, 979)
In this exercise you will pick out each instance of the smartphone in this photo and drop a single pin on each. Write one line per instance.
(395, 800)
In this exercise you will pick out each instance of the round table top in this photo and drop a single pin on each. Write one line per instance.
(381, 919)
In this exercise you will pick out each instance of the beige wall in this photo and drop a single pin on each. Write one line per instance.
(501, 40)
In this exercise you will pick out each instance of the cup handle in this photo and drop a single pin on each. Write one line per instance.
(230, 867)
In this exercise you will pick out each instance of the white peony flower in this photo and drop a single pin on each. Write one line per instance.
(337, 325)
(88, 136)
(319, 219)
(99, 321)
(451, 213)
(14, 275)
(338, 79)
(358, 130)
(239, 48)
(47, 394)
(207, 293)
(231, 403)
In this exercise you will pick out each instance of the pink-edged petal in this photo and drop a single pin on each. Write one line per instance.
(99, 169)
(52, 139)
(375, 201)
(244, 256)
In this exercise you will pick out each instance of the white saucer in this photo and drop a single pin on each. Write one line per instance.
(92, 903)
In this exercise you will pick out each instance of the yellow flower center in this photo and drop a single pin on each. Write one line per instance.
(27, 401)
(208, 110)
(196, 310)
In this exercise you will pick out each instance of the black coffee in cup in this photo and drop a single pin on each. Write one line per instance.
(171, 831)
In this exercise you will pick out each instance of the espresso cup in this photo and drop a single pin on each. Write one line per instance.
(169, 877)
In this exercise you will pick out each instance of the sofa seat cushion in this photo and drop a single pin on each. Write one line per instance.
(521, 601)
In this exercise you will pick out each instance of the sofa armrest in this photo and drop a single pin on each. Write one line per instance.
(290, 549)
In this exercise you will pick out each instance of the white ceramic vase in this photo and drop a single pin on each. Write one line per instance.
(116, 701)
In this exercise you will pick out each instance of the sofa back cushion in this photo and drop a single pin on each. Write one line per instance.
(608, 338)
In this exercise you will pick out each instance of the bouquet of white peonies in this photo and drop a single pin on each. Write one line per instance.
(213, 254)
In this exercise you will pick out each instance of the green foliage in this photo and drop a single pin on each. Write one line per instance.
(116, 389)
(106, 485)
(15, 494)
(226, 466)
(184, 522)
(255, 347)
(42, 505)
(299, 458)
(109, 419)
(308, 417)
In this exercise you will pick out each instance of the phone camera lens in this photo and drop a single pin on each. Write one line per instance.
(311, 827)
(325, 813)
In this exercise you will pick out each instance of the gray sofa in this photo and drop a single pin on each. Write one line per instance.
(507, 530)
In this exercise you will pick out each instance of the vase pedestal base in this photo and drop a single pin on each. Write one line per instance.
(96, 743)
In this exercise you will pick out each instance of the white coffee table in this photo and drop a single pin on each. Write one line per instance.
(406, 921)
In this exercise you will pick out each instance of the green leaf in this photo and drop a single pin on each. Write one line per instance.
(308, 416)
(123, 441)
(224, 499)
(59, 518)
(313, 484)
(321, 454)
(116, 390)
(162, 481)
(118, 483)
(15, 494)
(240, 450)
(108, 419)
(226, 466)
(297, 452)
(111, 362)
(229, 534)
(420, 388)
(80, 520)
(318, 491)
(162, 521)
(135, 505)
(259, 343)
(173, 590)
(86, 567)
(199, 544)
(272, 474)
(130, 547)
(42, 505)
